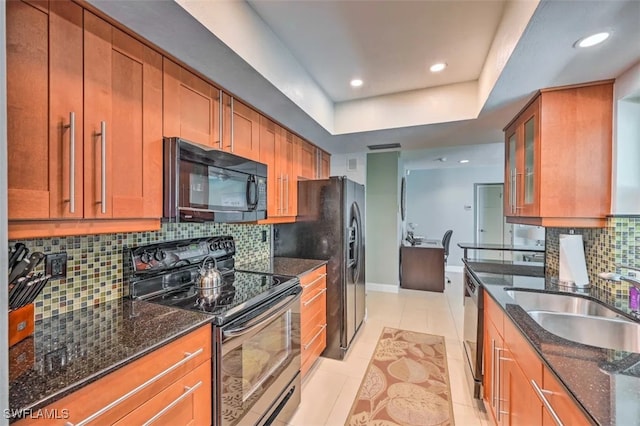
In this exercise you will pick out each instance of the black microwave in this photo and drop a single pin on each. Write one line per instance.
(202, 184)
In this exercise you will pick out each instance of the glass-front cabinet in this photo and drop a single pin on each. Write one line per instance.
(522, 164)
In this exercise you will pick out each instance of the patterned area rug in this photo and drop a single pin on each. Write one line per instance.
(406, 383)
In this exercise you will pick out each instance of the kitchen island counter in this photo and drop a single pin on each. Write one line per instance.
(605, 383)
(70, 351)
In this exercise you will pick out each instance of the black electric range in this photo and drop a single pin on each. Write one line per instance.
(165, 274)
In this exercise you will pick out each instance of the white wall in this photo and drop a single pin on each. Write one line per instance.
(626, 159)
(436, 201)
(382, 214)
(339, 166)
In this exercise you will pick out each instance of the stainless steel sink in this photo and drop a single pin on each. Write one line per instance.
(534, 301)
(602, 332)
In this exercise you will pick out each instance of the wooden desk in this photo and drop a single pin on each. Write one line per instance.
(422, 266)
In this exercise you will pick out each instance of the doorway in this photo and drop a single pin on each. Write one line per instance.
(491, 226)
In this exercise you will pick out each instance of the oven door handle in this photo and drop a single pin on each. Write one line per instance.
(261, 319)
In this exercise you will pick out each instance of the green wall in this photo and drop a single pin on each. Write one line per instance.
(382, 218)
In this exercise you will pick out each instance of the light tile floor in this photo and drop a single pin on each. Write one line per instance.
(330, 387)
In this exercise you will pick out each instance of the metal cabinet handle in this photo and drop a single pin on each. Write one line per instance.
(187, 391)
(286, 186)
(493, 373)
(279, 191)
(188, 357)
(220, 118)
(72, 160)
(232, 122)
(513, 191)
(541, 394)
(310, 301)
(308, 345)
(103, 183)
(314, 281)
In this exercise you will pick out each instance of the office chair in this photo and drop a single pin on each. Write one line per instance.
(445, 243)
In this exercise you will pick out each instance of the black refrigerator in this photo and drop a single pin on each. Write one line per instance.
(330, 226)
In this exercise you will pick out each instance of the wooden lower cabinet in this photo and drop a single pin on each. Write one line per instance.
(313, 314)
(180, 403)
(178, 372)
(560, 403)
(513, 371)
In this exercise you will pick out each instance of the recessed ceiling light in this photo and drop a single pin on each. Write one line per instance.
(592, 40)
(438, 67)
(463, 161)
(356, 82)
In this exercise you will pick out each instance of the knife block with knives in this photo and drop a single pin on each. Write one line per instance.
(24, 287)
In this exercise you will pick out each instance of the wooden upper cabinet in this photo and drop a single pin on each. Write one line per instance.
(270, 135)
(191, 108)
(325, 165)
(122, 124)
(241, 129)
(308, 160)
(289, 166)
(44, 71)
(558, 158)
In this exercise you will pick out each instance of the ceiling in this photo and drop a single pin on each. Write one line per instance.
(390, 45)
(292, 60)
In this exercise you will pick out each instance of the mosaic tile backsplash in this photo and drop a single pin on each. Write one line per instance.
(94, 263)
(604, 248)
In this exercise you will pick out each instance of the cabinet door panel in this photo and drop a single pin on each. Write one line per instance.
(191, 107)
(27, 111)
(122, 89)
(291, 175)
(246, 131)
(65, 97)
(520, 404)
(97, 109)
(308, 160)
(325, 165)
(269, 140)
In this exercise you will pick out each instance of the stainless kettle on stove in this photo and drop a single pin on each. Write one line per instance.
(209, 282)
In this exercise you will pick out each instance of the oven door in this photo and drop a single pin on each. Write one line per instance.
(259, 366)
(472, 333)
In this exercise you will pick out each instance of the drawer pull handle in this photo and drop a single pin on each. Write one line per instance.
(187, 391)
(314, 281)
(308, 345)
(188, 357)
(541, 394)
(308, 302)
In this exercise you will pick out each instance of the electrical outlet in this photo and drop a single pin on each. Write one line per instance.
(56, 265)
(632, 274)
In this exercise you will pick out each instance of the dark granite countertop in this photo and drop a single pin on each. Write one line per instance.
(604, 382)
(501, 247)
(69, 351)
(531, 269)
(288, 266)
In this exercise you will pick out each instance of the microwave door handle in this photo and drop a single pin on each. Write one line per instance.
(252, 203)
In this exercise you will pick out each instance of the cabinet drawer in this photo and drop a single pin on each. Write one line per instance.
(110, 398)
(563, 405)
(314, 313)
(186, 402)
(494, 313)
(522, 352)
(312, 350)
(312, 280)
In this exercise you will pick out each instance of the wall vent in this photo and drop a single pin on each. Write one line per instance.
(352, 164)
(383, 146)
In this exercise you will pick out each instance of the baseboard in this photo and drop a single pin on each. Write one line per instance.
(454, 268)
(385, 288)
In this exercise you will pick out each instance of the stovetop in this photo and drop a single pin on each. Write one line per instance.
(165, 273)
(241, 291)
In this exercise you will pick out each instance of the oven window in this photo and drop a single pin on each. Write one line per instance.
(250, 369)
